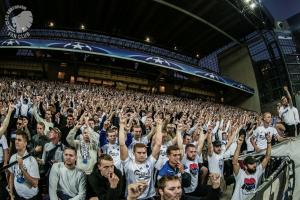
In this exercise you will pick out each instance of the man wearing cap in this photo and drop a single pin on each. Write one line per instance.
(53, 150)
(247, 180)
(216, 156)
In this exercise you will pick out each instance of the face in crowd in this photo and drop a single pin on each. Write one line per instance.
(217, 149)
(48, 115)
(140, 153)
(70, 157)
(174, 157)
(70, 120)
(86, 135)
(40, 129)
(187, 139)
(191, 153)
(20, 143)
(171, 191)
(106, 167)
(267, 118)
(111, 136)
(137, 132)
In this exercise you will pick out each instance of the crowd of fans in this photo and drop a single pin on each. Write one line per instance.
(70, 141)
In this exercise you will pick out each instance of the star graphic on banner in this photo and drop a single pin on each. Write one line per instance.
(158, 60)
(10, 42)
(77, 46)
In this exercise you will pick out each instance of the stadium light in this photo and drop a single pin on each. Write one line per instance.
(197, 55)
(51, 24)
(147, 39)
(252, 5)
(82, 26)
(175, 48)
(247, 1)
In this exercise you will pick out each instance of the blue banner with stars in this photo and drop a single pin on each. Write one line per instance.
(101, 49)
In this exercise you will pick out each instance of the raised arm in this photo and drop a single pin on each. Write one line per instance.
(6, 120)
(288, 95)
(179, 138)
(71, 136)
(201, 140)
(123, 147)
(267, 158)
(209, 142)
(158, 139)
(235, 159)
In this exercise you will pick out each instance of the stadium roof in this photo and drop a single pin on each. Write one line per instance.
(193, 27)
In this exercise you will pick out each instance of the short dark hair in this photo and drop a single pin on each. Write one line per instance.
(104, 157)
(249, 160)
(161, 184)
(190, 145)
(23, 134)
(172, 148)
(136, 126)
(41, 124)
(70, 148)
(70, 115)
(185, 135)
(139, 145)
(91, 119)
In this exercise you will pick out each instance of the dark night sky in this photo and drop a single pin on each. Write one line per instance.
(282, 9)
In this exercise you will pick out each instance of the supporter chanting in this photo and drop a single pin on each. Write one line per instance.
(68, 141)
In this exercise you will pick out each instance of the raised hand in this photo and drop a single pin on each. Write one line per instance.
(136, 189)
(113, 180)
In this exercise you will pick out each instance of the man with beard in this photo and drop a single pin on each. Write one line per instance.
(65, 180)
(247, 180)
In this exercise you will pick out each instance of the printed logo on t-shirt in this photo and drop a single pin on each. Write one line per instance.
(142, 175)
(20, 176)
(194, 168)
(249, 185)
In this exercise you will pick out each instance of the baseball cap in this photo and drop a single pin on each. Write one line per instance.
(217, 143)
(56, 130)
(249, 160)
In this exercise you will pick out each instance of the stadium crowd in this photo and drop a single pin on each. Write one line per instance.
(71, 141)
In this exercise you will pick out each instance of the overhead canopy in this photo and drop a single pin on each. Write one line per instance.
(194, 26)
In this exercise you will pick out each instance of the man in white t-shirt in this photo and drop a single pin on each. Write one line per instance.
(3, 161)
(258, 139)
(247, 180)
(288, 113)
(140, 168)
(24, 175)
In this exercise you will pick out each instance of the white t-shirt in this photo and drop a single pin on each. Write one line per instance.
(162, 159)
(23, 188)
(3, 146)
(193, 170)
(216, 163)
(143, 140)
(114, 151)
(260, 135)
(141, 172)
(288, 115)
(246, 185)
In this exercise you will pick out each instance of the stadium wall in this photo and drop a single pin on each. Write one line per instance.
(236, 64)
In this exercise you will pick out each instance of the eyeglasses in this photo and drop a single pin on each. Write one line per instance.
(19, 124)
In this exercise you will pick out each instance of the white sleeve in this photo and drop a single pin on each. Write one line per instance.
(33, 171)
(296, 115)
(4, 142)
